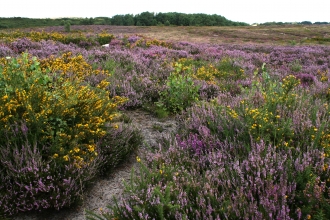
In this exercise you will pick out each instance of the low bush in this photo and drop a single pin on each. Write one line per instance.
(58, 131)
(181, 90)
(104, 38)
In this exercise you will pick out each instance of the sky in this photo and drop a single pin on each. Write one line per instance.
(249, 11)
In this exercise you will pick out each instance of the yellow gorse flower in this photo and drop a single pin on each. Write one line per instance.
(66, 157)
(72, 112)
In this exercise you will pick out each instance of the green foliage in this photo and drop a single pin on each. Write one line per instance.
(292, 42)
(160, 110)
(228, 69)
(295, 66)
(311, 194)
(262, 115)
(143, 19)
(181, 90)
(104, 38)
(67, 26)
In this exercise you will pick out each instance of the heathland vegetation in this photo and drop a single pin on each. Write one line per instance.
(254, 124)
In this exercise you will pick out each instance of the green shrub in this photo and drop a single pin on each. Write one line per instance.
(104, 38)
(181, 90)
(295, 66)
(67, 26)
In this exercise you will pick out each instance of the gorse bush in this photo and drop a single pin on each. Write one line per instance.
(104, 38)
(55, 126)
(57, 107)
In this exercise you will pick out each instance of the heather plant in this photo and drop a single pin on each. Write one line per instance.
(119, 142)
(134, 76)
(207, 91)
(206, 176)
(23, 44)
(133, 39)
(306, 79)
(5, 51)
(269, 119)
(172, 184)
(31, 182)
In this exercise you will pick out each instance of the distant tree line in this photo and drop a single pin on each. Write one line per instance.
(19, 22)
(143, 19)
(302, 23)
(173, 18)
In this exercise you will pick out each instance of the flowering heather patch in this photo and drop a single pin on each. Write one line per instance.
(133, 39)
(232, 182)
(137, 57)
(5, 51)
(237, 157)
(253, 138)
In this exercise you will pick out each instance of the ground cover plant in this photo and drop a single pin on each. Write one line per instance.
(253, 139)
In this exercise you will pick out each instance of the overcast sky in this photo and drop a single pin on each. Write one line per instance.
(249, 11)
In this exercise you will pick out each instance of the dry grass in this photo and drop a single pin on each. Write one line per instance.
(284, 34)
(289, 34)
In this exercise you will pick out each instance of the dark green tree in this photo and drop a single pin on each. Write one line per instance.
(128, 20)
(145, 18)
